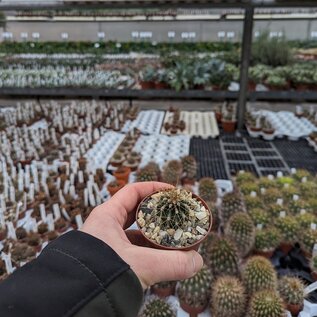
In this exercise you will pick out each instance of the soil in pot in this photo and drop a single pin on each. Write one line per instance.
(115, 186)
(122, 173)
(228, 126)
(174, 219)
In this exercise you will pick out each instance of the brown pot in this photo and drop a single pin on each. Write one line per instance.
(155, 245)
(122, 174)
(228, 126)
(159, 85)
(218, 116)
(254, 129)
(192, 311)
(163, 292)
(199, 87)
(302, 87)
(116, 163)
(147, 84)
(294, 309)
(286, 247)
(112, 190)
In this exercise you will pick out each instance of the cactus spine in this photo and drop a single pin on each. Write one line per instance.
(156, 307)
(231, 203)
(291, 290)
(207, 189)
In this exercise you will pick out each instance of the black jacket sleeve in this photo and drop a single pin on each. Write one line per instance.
(75, 275)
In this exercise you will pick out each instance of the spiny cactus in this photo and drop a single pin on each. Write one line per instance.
(288, 226)
(282, 181)
(267, 240)
(245, 177)
(259, 274)
(156, 307)
(259, 216)
(265, 182)
(306, 219)
(228, 297)
(154, 167)
(289, 192)
(271, 195)
(172, 172)
(274, 210)
(205, 246)
(146, 175)
(295, 206)
(247, 188)
(189, 166)
(300, 174)
(307, 240)
(223, 258)
(252, 202)
(231, 203)
(215, 215)
(207, 189)
(196, 291)
(308, 189)
(291, 290)
(240, 229)
(266, 304)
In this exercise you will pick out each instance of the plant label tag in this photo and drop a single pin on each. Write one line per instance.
(79, 221)
(302, 211)
(270, 177)
(295, 197)
(286, 185)
(282, 214)
(50, 222)
(304, 179)
(65, 214)
(11, 231)
(259, 226)
(253, 194)
(293, 170)
(263, 190)
(279, 201)
(310, 288)
(56, 211)
(279, 174)
(313, 226)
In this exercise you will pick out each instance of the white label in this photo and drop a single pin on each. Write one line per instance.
(313, 226)
(270, 177)
(80, 176)
(66, 186)
(286, 185)
(279, 174)
(56, 211)
(282, 214)
(295, 197)
(263, 190)
(50, 222)
(302, 211)
(43, 212)
(253, 194)
(11, 231)
(304, 179)
(293, 170)
(79, 221)
(279, 201)
(259, 226)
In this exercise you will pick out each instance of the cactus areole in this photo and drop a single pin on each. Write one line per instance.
(174, 219)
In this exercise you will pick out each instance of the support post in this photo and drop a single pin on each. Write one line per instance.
(245, 61)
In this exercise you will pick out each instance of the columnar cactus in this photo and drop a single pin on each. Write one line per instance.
(259, 274)
(223, 258)
(307, 240)
(228, 297)
(245, 177)
(146, 175)
(291, 290)
(196, 291)
(267, 240)
(189, 166)
(207, 189)
(241, 230)
(172, 172)
(266, 303)
(289, 227)
(231, 203)
(259, 217)
(156, 307)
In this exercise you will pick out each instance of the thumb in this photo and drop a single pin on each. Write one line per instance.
(159, 265)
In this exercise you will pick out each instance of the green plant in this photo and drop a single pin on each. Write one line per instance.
(240, 229)
(228, 297)
(207, 189)
(307, 240)
(295, 206)
(196, 291)
(222, 257)
(306, 219)
(291, 290)
(245, 177)
(289, 227)
(146, 175)
(172, 172)
(189, 166)
(259, 216)
(275, 80)
(289, 191)
(258, 73)
(247, 188)
(282, 181)
(149, 73)
(267, 239)
(2, 20)
(266, 303)
(275, 210)
(180, 76)
(219, 77)
(259, 274)
(265, 182)
(300, 174)
(271, 195)
(252, 202)
(205, 246)
(231, 203)
(308, 189)
(156, 307)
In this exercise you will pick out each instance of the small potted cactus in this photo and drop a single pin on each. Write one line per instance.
(241, 230)
(174, 219)
(266, 303)
(268, 130)
(259, 274)
(207, 189)
(117, 159)
(231, 203)
(245, 177)
(248, 188)
(228, 297)
(194, 293)
(164, 289)
(157, 307)
(292, 292)
(289, 227)
(172, 172)
(259, 217)
(122, 173)
(266, 241)
(228, 120)
(115, 186)
(189, 170)
(146, 175)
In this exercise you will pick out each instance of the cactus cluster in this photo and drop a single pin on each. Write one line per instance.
(271, 195)
(156, 307)
(305, 220)
(189, 166)
(265, 182)
(244, 177)
(172, 172)
(196, 291)
(300, 174)
(231, 204)
(288, 226)
(259, 217)
(307, 240)
(291, 290)
(252, 202)
(241, 230)
(267, 240)
(259, 274)
(247, 188)
(228, 297)
(207, 189)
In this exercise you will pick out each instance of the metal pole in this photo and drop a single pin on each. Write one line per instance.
(245, 61)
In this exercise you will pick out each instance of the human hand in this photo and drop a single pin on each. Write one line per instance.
(108, 222)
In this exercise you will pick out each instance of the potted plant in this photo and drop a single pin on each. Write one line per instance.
(189, 170)
(276, 82)
(228, 120)
(257, 75)
(254, 126)
(162, 79)
(122, 173)
(267, 129)
(266, 241)
(117, 159)
(115, 186)
(288, 227)
(157, 307)
(148, 77)
(164, 215)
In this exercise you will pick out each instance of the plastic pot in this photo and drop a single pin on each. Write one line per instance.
(192, 311)
(155, 245)
(228, 126)
(122, 174)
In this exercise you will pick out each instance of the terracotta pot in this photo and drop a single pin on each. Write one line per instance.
(155, 245)
(161, 85)
(254, 129)
(228, 126)
(217, 88)
(113, 190)
(294, 309)
(218, 116)
(192, 311)
(122, 174)
(286, 247)
(266, 254)
(163, 292)
(147, 84)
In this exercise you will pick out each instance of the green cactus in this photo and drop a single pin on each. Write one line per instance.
(265, 182)
(189, 166)
(228, 297)
(207, 189)
(215, 215)
(271, 195)
(240, 229)
(245, 177)
(307, 240)
(196, 291)
(289, 192)
(282, 181)
(223, 258)
(156, 307)
(308, 189)
(266, 303)
(267, 240)
(154, 167)
(295, 206)
(312, 203)
(274, 210)
(259, 217)
(205, 246)
(253, 202)
(146, 175)
(291, 290)
(247, 188)
(306, 219)
(172, 172)
(300, 174)
(289, 227)
(259, 274)
(231, 204)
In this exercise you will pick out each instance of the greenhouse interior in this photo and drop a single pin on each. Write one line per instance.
(217, 98)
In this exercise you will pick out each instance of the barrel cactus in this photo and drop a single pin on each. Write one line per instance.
(259, 274)
(265, 182)
(288, 226)
(289, 191)
(252, 202)
(266, 303)
(196, 291)
(259, 217)
(207, 189)
(271, 195)
(228, 297)
(241, 230)
(301, 174)
(156, 307)
(295, 206)
(189, 167)
(205, 246)
(291, 290)
(245, 177)
(223, 258)
(307, 240)
(306, 219)
(146, 175)
(231, 204)
(308, 189)
(172, 172)
(247, 188)
(275, 210)
(267, 240)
